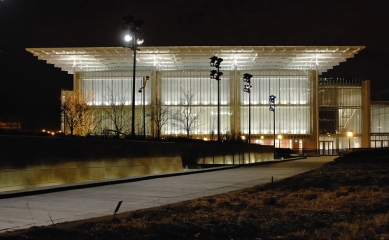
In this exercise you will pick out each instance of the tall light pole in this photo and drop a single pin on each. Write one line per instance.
(247, 89)
(145, 79)
(134, 29)
(272, 100)
(215, 74)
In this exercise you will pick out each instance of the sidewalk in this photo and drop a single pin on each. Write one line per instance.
(23, 209)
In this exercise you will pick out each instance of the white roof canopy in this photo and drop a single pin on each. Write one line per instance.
(178, 57)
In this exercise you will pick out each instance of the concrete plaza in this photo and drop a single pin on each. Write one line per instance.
(139, 193)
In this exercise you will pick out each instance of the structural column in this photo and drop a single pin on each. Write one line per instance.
(234, 101)
(155, 98)
(313, 143)
(366, 120)
(77, 81)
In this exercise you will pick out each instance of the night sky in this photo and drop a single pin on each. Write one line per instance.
(30, 89)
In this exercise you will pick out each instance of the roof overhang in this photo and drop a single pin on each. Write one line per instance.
(177, 57)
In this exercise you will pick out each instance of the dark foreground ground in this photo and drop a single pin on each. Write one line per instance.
(344, 199)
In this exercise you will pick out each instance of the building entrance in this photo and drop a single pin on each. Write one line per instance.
(326, 148)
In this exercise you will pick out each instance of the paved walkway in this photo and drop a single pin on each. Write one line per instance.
(70, 205)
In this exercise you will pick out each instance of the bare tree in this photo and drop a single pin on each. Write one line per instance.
(159, 116)
(118, 114)
(213, 129)
(93, 121)
(186, 117)
(78, 116)
(138, 125)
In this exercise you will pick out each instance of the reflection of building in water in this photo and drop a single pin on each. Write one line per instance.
(311, 112)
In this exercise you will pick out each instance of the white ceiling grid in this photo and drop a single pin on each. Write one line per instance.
(178, 57)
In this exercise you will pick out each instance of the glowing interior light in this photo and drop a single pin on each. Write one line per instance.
(127, 38)
(139, 41)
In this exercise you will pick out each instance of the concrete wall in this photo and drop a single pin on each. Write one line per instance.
(225, 153)
(29, 162)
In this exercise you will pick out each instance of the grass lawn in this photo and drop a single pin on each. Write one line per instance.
(340, 200)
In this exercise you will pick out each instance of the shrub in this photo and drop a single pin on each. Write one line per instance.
(269, 201)
(310, 196)
(341, 194)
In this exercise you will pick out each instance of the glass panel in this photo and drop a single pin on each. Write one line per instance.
(206, 124)
(174, 83)
(114, 87)
(379, 118)
(292, 91)
(262, 120)
(349, 97)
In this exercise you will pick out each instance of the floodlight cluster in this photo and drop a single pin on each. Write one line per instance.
(247, 79)
(272, 100)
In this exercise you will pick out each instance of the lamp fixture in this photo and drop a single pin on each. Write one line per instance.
(272, 100)
(215, 62)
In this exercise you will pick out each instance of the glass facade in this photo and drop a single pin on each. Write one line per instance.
(340, 103)
(379, 124)
(107, 87)
(291, 87)
(292, 90)
(179, 89)
(192, 90)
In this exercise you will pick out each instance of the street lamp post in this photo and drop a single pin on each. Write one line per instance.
(247, 88)
(349, 135)
(145, 79)
(215, 74)
(134, 29)
(272, 100)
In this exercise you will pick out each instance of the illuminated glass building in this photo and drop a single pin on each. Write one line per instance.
(311, 112)
(379, 124)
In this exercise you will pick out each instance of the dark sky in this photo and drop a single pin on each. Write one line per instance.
(30, 88)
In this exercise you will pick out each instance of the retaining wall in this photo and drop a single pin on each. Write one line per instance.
(225, 153)
(29, 162)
